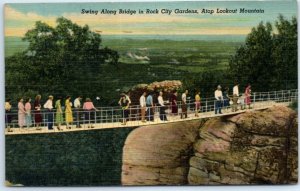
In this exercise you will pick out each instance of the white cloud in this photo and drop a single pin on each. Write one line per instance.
(14, 15)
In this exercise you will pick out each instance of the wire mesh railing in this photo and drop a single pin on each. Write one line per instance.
(105, 117)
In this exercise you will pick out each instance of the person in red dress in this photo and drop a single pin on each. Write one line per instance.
(37, 112)
(248, 95)
(174, 103)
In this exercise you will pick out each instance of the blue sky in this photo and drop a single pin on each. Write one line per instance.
(21, 17)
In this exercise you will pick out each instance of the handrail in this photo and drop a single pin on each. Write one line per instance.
(189, 100)
(112, 115)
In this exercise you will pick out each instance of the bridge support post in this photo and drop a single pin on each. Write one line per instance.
(101, 115)
(253, 100)
(112, 115)
(95, 118)
(214, 106)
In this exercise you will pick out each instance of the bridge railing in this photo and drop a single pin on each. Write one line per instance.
(115, 115)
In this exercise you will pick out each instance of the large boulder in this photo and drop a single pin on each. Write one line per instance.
(159, 154)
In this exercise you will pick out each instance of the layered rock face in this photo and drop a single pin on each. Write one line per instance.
(250, 148)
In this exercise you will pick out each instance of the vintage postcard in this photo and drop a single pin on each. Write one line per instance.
(151, 93)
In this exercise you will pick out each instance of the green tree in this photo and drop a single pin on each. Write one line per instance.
(285, 53)
(252, 61)
(205, 82)
(59, 60)
(268, 59)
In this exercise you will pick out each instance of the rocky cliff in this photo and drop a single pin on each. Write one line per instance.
(250, 148)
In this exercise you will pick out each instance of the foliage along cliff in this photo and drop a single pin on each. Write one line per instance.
(250, 148)
(166, 86)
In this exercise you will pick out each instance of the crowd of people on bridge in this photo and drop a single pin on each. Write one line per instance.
(222, 100)
(54, 112)
(147, 107)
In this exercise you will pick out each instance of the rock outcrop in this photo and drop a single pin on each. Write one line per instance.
(255, 147)
(249, 148)
(159, 154)
(166, 87)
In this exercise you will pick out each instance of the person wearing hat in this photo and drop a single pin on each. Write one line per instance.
(219, 99)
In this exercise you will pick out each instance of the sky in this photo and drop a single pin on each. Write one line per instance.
(21, 17)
